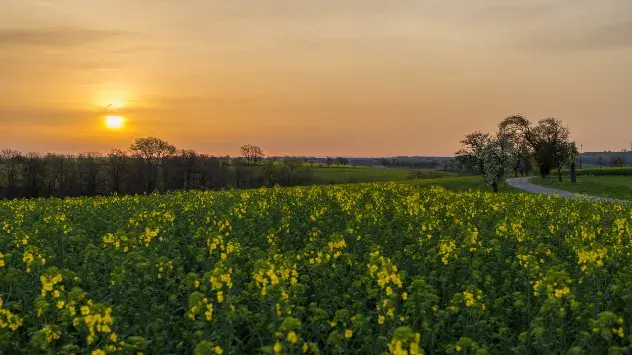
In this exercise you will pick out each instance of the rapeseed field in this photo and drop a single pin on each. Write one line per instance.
(367, 268)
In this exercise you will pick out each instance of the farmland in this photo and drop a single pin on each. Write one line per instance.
(335, 269)
(337, 175)
(613, 186)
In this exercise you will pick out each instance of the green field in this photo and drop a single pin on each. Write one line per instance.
(454, 183)
(613, 186)
(339, 175)
(339, 269)
(460, 183)
(601, 171)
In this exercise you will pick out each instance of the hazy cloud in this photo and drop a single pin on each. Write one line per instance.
(563, 25)
(69, 36)
(379, 71)
(600, 37)
(43, 117)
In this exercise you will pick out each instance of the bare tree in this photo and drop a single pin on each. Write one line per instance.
(522, 149)
(251, 153)
(33, 175)
(469, 156)
(89, 173)
(564, 156)
(117, 165)
(10, 164)
(137, 171)
(55, 166)
(188, 163)
(155, 152)
(544, 139)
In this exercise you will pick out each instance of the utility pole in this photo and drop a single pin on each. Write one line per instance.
(581, 148)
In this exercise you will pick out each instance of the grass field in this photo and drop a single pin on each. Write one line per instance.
(596, 171)
(338, 175)
(613, 186)
(356, 268)
(460, 183)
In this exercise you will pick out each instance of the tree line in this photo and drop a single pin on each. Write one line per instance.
(149, 165)
(518, 146)
(607, 159)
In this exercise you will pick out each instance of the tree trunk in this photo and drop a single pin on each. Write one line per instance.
(495, 186)
(573, 175)
(545, 170)
(527, 167)
(559, 173)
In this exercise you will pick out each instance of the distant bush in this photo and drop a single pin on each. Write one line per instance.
(429, 174)
(603, 171)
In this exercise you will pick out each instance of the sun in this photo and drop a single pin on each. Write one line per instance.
(114, 122)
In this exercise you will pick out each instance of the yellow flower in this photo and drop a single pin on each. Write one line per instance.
(348, 333)
(98, 352)
(196, 283)
(458, 348)
(404, 296)
(209, 312)
(381, 319)
(217, 350)
(277, 347)
(291, 337)
(562, 292)
(469, 298)
(85, 310)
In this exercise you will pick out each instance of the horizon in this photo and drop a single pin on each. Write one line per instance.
(277, 155)
(319, 78)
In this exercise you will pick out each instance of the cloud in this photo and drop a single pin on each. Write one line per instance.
(23, 118)
(607, 36)
(554, 26)
(55, 36)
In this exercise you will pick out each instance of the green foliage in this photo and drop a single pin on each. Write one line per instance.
(613, 186)
(603, 171)
(338, 175)
(498, 157)
(459, 183)
(364, 268)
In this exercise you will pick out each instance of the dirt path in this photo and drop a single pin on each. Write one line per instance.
(523, 183)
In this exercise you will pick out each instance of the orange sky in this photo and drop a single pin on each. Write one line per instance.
(311, 77)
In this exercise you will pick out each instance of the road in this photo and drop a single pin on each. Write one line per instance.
(523, 183)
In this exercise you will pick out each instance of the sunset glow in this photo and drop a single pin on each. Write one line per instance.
(321, 77)
(114, 104)
(114, 122)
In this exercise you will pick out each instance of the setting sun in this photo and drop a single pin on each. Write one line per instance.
(114, 122)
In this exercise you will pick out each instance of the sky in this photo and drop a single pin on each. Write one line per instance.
(310, 77)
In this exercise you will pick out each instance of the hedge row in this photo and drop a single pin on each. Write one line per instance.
(602, 171)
